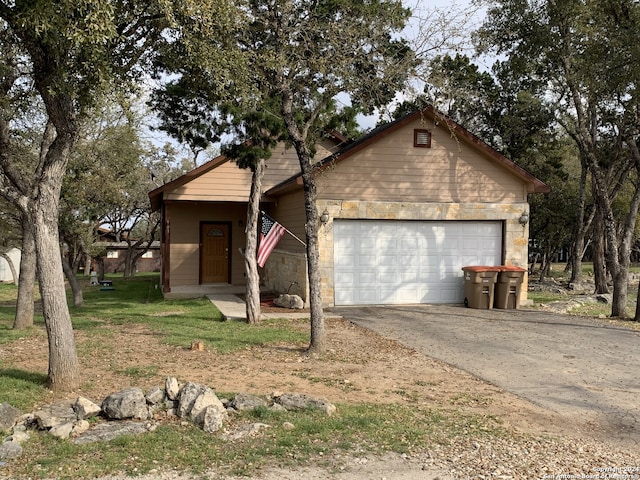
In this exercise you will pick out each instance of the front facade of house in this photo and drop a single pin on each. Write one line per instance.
(405, 208)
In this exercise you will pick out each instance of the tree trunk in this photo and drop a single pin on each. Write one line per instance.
(252, 297)
(580, 231)
(318, 343)
(78, 298)
(27, 284)
(318, 334)
(129, 264)
(599, 265)
(64, 368)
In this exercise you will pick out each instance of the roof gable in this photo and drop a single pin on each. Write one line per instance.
(428, 117)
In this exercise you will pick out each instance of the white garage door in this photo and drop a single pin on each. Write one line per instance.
(404, 262)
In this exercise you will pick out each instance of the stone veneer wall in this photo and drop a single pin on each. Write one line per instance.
(516, 236)
(282, 269)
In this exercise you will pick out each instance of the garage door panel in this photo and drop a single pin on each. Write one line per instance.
(378, 262)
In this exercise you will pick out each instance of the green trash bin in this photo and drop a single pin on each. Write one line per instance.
(508, 286)
(479, 283)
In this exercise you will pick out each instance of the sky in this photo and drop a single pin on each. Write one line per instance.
(437, 23)
(433, 22)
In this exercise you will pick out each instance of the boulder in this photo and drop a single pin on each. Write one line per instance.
(62, 431)
(8, 416)
(299, 401)
(9, 450)
(55, 414)
(211, 419)
(207, 399)
(155, 396)
(245, 401)
(172, 388)
(85, 408)
(289, 301)
(129, 403)
(106, 432)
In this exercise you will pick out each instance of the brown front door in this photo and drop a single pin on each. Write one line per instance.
(214, 252)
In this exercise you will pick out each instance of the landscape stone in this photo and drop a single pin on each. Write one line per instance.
(172, 388)
(129, 403)
(155, 396)
(211, 419)
(18, 436)
(245, 401)
(8, 416)
(80, 427)
(85, 408)
(206, 399)
(55, 414)
(298, 401)
(9, 450)
(289, 301)
(106, 432)
(62, 431)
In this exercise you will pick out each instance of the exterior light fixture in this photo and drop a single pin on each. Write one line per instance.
(324, 218)
(524, 218)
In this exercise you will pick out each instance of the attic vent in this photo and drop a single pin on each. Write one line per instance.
(422, 138)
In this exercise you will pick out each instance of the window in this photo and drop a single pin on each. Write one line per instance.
(147, 254)
(422, 138)
(112, 254)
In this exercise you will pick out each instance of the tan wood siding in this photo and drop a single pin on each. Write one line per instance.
(290, 213)
(449, 171)
(185, 239)
(227, 182)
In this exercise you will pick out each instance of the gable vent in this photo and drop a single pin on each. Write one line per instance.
(422, 138)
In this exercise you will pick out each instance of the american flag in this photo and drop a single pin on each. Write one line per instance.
(270, 234)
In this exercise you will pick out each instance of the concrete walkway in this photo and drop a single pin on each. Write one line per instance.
(233, 307)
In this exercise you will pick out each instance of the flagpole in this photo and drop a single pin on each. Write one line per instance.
(287, 230)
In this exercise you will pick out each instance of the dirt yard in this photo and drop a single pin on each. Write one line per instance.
(360, 366)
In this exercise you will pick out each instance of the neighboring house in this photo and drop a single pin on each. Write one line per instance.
(403, 209)
(5, 270)
(115, 253)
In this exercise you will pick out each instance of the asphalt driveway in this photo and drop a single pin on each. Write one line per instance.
(572, 365)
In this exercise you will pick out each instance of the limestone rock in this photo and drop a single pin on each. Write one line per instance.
(9, 450)
(129, 403)
(80, 427)
(61, 431)
(55, 414)
(245, 401)
(211, 419)
(105, 432)
(172, 388)
(289, 301)
(8, 416)
(155, 396)
(194, 398)
(298, 401)
(18, 436)
(85, 408)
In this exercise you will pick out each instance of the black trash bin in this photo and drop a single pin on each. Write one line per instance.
(508, 286)
(479, 283)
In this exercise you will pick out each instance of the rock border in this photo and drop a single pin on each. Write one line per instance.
(132, 412)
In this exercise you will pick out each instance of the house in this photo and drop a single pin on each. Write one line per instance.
(115, 250)
(402, 210)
